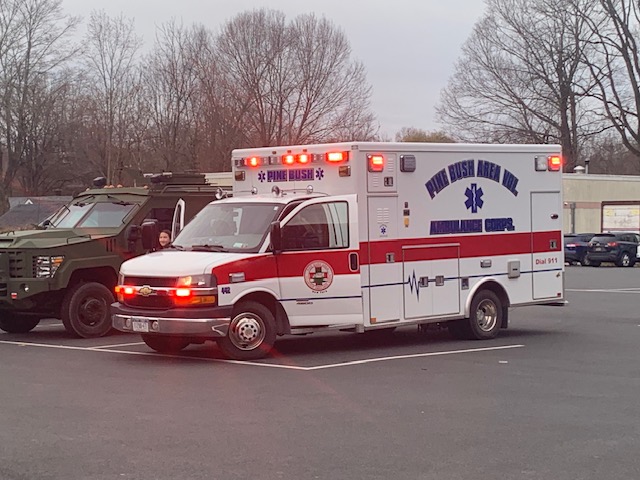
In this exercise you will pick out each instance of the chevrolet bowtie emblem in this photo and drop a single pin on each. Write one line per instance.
(146, 291)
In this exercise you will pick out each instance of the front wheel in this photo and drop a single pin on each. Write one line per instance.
(85, 310)
(165, 343)
(252, 332)
(14, 323)
(584, 261)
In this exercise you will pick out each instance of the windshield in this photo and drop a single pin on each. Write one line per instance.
(88, 215)
(228, 227)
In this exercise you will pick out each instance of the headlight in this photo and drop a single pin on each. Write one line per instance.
(46, 267)
(195, 281)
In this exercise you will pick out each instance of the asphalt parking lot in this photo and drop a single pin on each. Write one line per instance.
(554, 397)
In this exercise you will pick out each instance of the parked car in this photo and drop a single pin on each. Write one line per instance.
(620, 248)
(576, 246)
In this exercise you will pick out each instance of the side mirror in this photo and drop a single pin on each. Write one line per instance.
(149, 234)
(132, 237)
(276, 237)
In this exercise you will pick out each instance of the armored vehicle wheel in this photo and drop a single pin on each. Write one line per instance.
(165, 344)
(85, 310)
(14, 323)
(251, 334)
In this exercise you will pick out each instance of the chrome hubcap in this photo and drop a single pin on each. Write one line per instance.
(247, 331)
(486, 315)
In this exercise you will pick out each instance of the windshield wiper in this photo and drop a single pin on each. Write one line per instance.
(207, 248)
(177, 247)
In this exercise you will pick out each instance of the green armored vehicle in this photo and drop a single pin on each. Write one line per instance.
(68, 269)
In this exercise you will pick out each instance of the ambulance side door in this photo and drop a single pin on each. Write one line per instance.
(319, 266)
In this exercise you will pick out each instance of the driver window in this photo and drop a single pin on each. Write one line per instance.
(317, 227)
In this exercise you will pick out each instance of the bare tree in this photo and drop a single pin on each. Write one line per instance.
(293, 82)
(33, 43)
(170, 84)
(615, 66)
(110, 56)
(522, 77)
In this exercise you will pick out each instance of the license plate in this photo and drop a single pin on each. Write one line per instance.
(140, 324)
(599, 249)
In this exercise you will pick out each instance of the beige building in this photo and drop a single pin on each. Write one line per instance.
(595, 203)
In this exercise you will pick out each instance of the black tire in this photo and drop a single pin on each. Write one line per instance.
(15, 323)
(624, 260)
(594, 264)
(165, 343)
(485, 316)
(584, 261)
(85, 310)
(252, 332)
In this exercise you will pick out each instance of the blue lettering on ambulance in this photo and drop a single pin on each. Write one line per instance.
(489, 170)
(305, 174)
(448, 227)
(437, 183)
(499, 225)
(460, 170)
(510, 182)
(276, 176)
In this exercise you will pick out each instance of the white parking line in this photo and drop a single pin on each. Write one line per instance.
(413, 355)
(119, 345)
(268, 365)
(604, 290)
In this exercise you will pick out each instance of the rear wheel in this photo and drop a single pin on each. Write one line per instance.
(485, 318)
(15, 323)
(252, 332)
(85, 310)
(594, 264)
(165, 343)
(624, 260)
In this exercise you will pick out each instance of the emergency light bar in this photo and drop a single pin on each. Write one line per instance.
(289, 159)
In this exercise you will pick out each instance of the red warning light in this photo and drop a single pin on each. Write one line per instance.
(289, 159)
(376, 163)
(304, 158)
(253, 161)
(555, 163)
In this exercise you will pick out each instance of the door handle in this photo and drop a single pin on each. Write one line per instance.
(354, 264)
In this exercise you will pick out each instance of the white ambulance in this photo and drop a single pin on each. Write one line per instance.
(355, 237)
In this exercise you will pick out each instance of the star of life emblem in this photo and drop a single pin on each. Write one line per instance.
(318, 275)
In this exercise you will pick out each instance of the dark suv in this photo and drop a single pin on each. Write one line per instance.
(576, 246)
(619, 248)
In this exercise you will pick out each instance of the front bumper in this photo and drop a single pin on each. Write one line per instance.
(193, 322)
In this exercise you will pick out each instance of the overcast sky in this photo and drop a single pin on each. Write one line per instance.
(408, 47)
